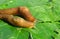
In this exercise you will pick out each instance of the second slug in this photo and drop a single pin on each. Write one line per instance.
(17, 21)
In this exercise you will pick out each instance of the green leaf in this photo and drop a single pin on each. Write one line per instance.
(46, 13)
(9, 32)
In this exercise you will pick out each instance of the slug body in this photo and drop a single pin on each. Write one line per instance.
(17, 21)
(10, 11)
(9, 15)
(24, 11)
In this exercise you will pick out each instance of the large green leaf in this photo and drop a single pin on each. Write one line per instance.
(46, 13)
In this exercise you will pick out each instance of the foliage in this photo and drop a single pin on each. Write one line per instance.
(48, 20)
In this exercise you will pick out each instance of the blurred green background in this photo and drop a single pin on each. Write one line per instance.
(47, 12)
